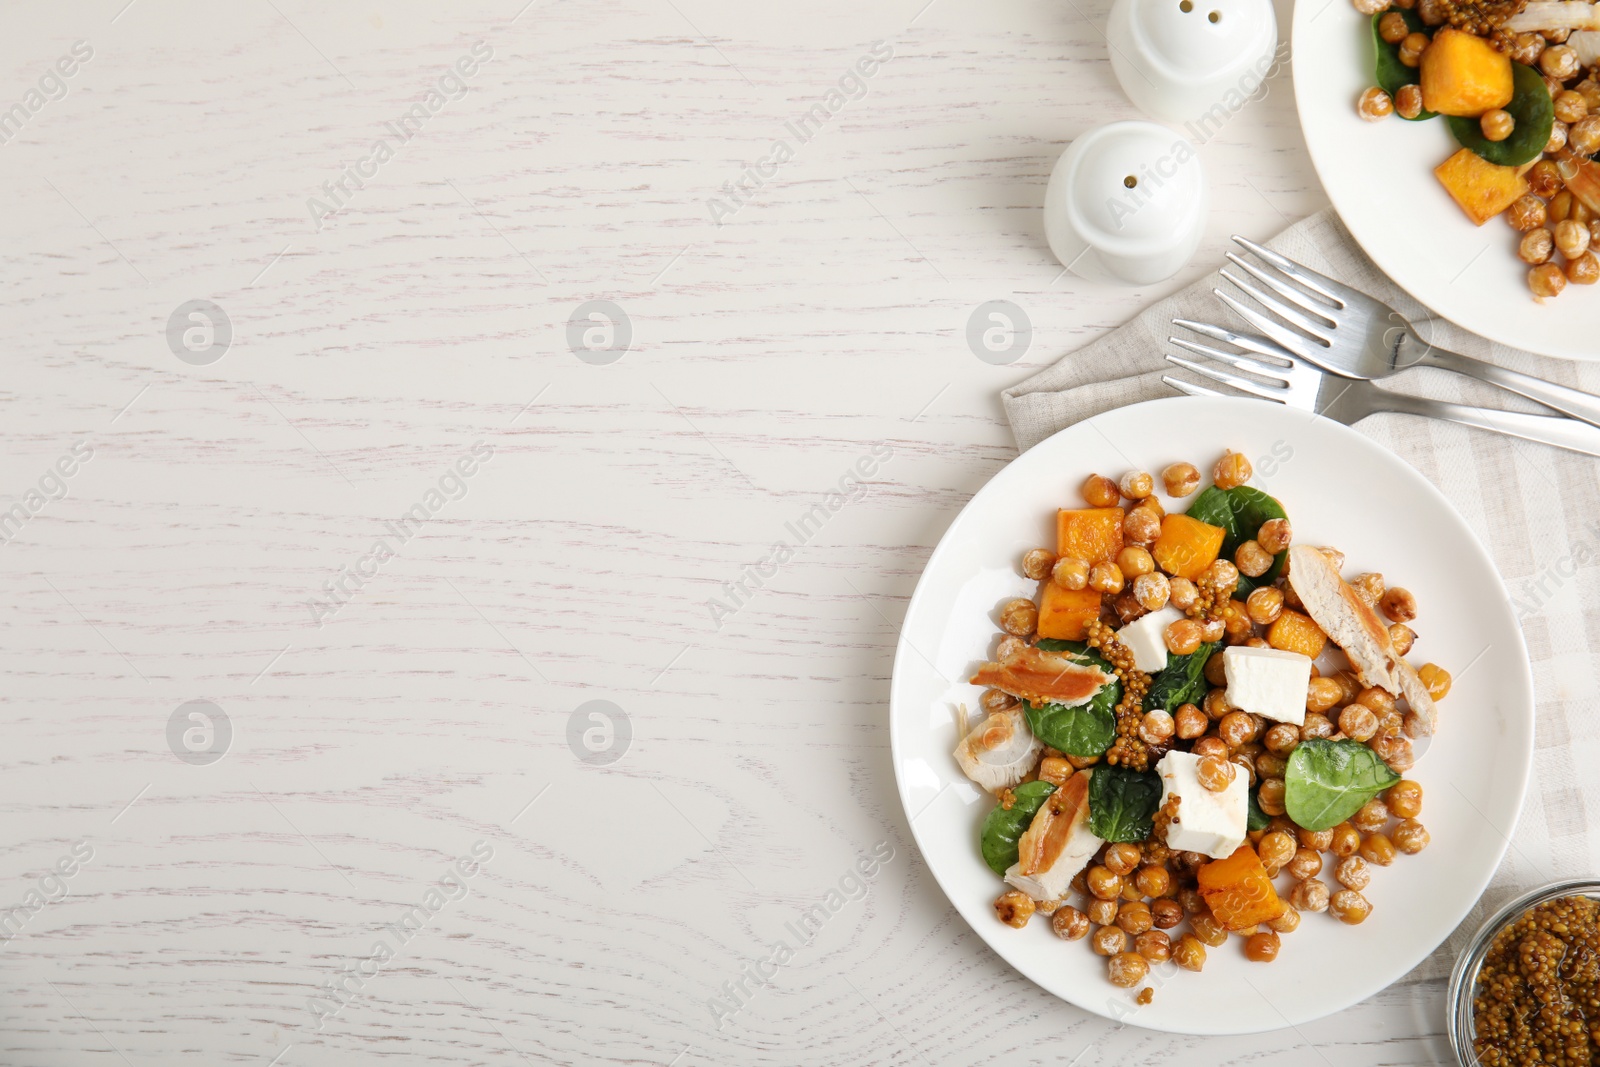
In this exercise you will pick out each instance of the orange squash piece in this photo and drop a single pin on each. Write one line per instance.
(1238, 891)
(1482, 189)
(1187, 546)
(1094, 534)
(1294, 632)
(1065, 614)
(1463, 74)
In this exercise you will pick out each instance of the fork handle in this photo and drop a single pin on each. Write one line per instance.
(1565, 399)
(1542, 429)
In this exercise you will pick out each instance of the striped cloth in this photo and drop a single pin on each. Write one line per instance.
(1537, 509)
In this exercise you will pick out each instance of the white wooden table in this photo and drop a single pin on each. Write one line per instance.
(441, 699)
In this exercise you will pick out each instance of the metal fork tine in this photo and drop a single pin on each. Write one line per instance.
(1244, 385)
(1337, 292)
(1279, 308)
(1249, 342)
(1290, 340)
(1295, 296)
(1233, 359)
(1186, 387)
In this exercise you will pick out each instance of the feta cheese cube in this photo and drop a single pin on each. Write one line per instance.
(1212, 824)
(1268, 682)
(1146, 638)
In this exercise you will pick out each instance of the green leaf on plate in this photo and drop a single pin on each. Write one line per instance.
(1390, 73)
(1003, 828)
(1326, 782)
(1123, 803)
(1535, 113)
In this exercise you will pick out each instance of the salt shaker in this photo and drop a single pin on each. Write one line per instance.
(1193, 63)
(1126, 203)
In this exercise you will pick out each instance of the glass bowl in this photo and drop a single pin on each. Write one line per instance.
(1464, 979)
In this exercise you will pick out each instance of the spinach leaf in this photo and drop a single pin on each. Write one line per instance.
(1181, 681)
(1123, 803)
(1256, 819)
(1326, 782)
(1240, 511)
(1535, 114)
(1082, 730)
(1002, 829)
(1390, 73)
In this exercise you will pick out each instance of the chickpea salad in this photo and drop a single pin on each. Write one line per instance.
(1193, 725)
(1518, 83)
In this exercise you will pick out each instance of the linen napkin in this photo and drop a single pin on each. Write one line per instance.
(1536, 508)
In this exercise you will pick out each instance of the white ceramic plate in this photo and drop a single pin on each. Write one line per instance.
(1380, 178)
(1339, 489)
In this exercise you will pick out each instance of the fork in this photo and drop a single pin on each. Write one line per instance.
(1353, 335)
(1295, 382)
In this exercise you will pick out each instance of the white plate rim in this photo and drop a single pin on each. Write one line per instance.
(994, 937)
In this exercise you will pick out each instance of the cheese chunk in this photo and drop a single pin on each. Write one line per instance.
(1268, 682)
(1212, 824)
(1146, 638)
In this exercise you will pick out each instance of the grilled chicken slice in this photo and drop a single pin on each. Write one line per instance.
(1000, 751)
(1057, 844)
(1345, 618)
(1043, 677)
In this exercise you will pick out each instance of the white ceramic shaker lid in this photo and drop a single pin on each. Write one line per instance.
(1193, 63)
(1126, 202)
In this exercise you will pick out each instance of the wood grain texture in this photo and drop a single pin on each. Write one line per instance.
(371, 751)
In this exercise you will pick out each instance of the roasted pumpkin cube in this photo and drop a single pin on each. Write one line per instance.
(1187, 546)
(1238, 891)
(1462, 74)
(1094, 534)
(1065, 614)
(1294, 632)
(1483, 189)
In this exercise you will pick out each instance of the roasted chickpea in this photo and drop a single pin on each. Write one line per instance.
(1349, 906)
(1276, 849)
(1372, 817)
(1274, 535)
(1322, 694)
(1009, 646)
(1210, 746)
(1215, 774)
(1408, 101)
(1100, 491)
(1192, 902)
(1352, 872)
(1399, 604)
(1287, 923)
(1183, 637)
(1127, 969)
(1393, 28)
(1252, 559)
(1526, 213)
(1496, 124)
(1307, 863)
(1014, 908)
(1136, 485)
(1157, 727)
(1232, 469)
(1180, 479)
(1189, 722)
(1019, 617)
(1103, 912)
(1183, 593)
(1121, 858)
(1105, 577)
(1411, 837)
(1152, 591)
(1282, 738)
(1270, 796)
(1264, 605)
(1189, 953)
(1584, 136)
(1555, 36)
(1394, 748)
(1377, 848)
(1141, 526)
(1559, 61)
(1221, 575)
(1570, 107)
(1036, 563)
(1402, 637)
(1134, 918)
(1526, 48)
(1558, 139)
(1238, 728)
(1316, 727)
(1572, 241)
(1166, 912)
(1208, 930)
(1432, 12)
(1379, 700)
(1154, 880)
(1108, 941)
(1412, 45)
(1404, 799)
(1310, 895)
(1103, 884)
(1070, 573)
(1346, 840)
(994, 700)
(1544, 178)
(1070, 924)
(1436, 678)
(1261, 947)
(1585, 270)
(1153, 945)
